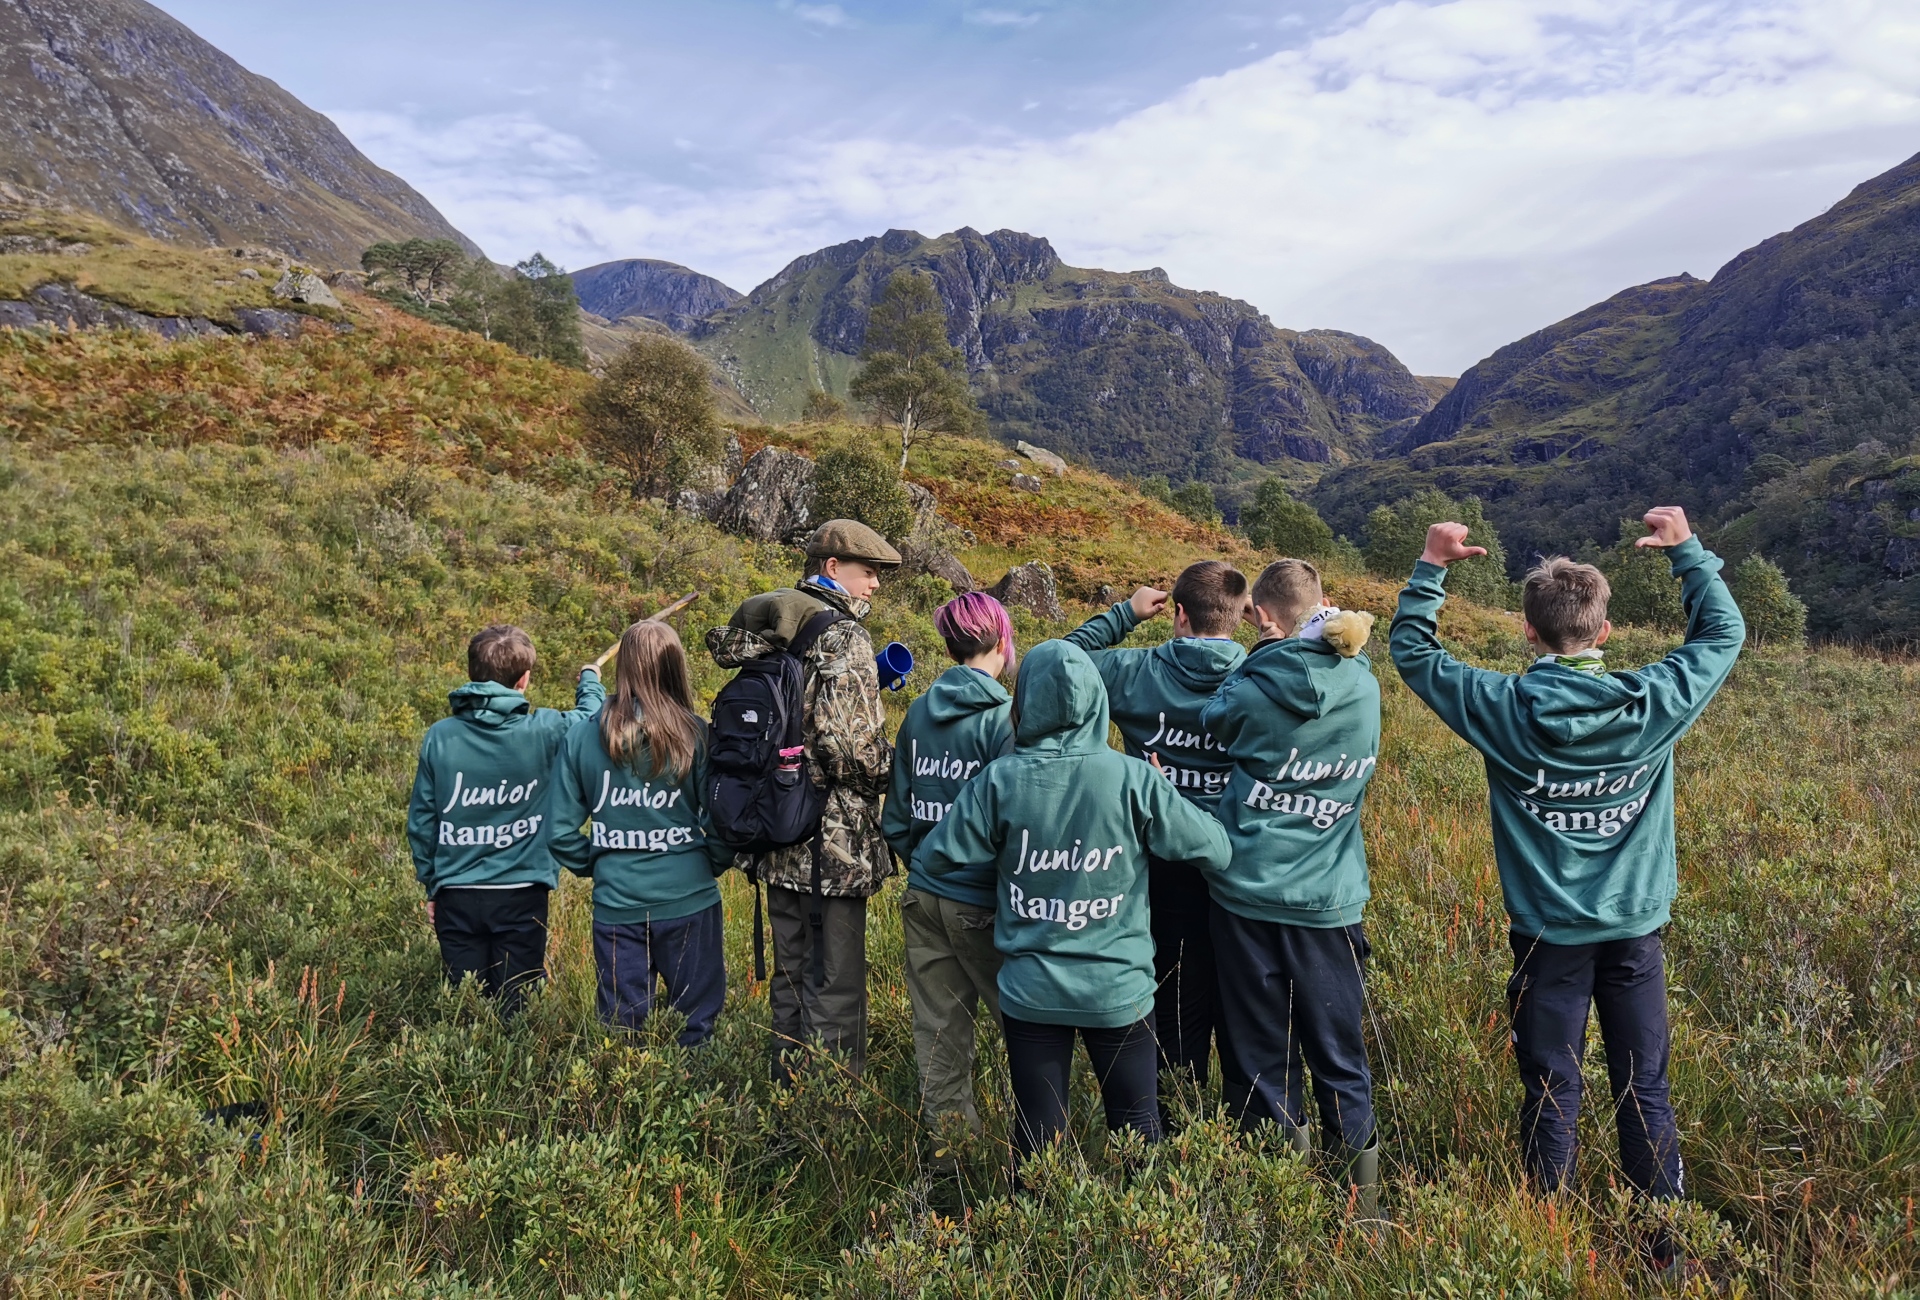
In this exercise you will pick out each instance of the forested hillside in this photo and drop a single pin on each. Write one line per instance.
(236, 579)
(1778, 401)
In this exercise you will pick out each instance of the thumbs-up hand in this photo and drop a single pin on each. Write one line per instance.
(1447, 543)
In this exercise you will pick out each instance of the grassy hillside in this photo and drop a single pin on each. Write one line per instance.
(217, 653)
(1777, 402)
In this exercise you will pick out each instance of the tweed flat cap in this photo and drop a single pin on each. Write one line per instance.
(849, 539)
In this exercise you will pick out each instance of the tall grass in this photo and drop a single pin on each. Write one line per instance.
(215, 663)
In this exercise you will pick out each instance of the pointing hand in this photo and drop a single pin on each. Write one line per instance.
(1148, 602)
(1447, 543)
(1669, 524)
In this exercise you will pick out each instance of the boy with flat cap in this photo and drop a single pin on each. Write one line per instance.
(820, 898)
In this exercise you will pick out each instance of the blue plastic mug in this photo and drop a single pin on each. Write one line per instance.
(894, 663)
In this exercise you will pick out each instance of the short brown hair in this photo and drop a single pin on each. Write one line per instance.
(1214, 594)
(1565, 602)
(500, 652)
(1287, 589)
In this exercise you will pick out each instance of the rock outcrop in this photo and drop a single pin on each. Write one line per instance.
(59, 306)
(116, 109)
(771, 500)
(1041, 457)
(304, 286)
(1030, 587)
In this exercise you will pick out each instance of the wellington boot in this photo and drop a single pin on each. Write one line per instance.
(1362, 1172)
(1300, 1138)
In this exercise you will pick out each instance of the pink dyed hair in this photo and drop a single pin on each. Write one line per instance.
(974, 624)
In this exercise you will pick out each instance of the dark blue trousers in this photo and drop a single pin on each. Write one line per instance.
(686, 952)
(1290, 997)
(1552, 987)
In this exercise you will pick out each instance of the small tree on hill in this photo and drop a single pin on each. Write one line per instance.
(912, 375)
(1276, 521)
(1396, 535)
(823, 407)
(651, 415)
(1644, 588)
(421, 269)
(551, 314)
(1195, 501)
(858, 482)
(1773, 613)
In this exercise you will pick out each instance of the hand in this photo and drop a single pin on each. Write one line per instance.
(1154, 759)
(1447, 543)
(1669, 524)
(430, 917)
(593, 668)
(1148, 602)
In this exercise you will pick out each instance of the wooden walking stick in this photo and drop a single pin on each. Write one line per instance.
(658, 616)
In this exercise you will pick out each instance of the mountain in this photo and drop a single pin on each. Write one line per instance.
(1778, 401)
(1123, 369)
(662, 291)
(118, 110)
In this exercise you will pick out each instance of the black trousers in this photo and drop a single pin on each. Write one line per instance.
(1040, 1061)
(631, 959)
(1184, 1015)
(498, 936)
(1552, 987)
(1290, 997)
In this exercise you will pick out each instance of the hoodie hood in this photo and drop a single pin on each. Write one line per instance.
(1309, 678)
(487, 703)
(1061, 701)
(961, 691)
(1201, 663)
(1567, 706)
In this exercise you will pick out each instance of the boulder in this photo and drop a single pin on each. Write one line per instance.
(304, 286)
(708, 487)
(943, 564)
(1009, 463)
(1027, 483)
(1041, 456)
(1106, 594)
(928, 546)
(772, 500)
(1030, 587)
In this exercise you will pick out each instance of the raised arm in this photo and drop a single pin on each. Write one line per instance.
(1114, 626)
(1716, 631)
(1453, 690)
(589, 693)
(423, 820)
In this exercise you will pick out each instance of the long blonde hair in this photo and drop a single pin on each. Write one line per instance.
(650, 718)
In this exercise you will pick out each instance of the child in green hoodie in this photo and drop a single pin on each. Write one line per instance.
(1067, 826)
(1156, 695)
(960, 725)
(477, 817)
(1580, 785)
(1300, 720)
(639, 777)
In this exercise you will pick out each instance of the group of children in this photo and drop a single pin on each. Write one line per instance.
(1202, 891)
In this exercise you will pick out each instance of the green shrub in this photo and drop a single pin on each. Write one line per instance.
(1774, 614)
(1276, 520)
(856, 481)
(1645, 592)
(1396, 535)
(1195, 501)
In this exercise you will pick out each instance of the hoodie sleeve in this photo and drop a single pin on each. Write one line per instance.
(567, 813)
(1684, 683)
(1105, 630)
(1178, 831)
(896, 815)
(1459, 693)
(589, 693)
(967, 836)
(423, 820)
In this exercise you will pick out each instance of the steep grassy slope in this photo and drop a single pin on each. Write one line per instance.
(117, 109)
(225, 618)
(1122, 369)
(1778, 400)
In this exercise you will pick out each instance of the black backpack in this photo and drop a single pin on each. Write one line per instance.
(759, 793)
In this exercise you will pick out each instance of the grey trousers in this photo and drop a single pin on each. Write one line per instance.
(832, 1014)
(952, 966)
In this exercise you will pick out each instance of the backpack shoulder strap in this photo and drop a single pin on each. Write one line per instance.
(810, 631)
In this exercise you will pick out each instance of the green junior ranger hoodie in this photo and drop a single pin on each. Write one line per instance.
(1579, 762)
(1067, 824)
(1302, 727)
(1156, 694)
(650, 850)
(961, 724)
(480, 792)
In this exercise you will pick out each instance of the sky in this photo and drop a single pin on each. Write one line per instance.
(1443, 176)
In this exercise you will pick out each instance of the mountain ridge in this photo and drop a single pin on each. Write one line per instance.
(123, 112)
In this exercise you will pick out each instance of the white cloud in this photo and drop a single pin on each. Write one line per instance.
(1442, 176)
(1000, 18)
(819, 15)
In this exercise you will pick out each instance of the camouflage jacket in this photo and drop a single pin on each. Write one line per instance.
(845, 736)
